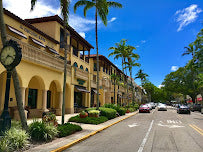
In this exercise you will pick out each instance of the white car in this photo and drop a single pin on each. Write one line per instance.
(162, 107)
(149, 105)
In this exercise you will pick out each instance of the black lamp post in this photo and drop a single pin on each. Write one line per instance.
(5, 119)
(10, 57)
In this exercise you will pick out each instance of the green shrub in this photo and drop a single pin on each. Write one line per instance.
(108, 112)
(14, 139)
(110, 105)
(50, 118)
(88, 109)
(121, 111)
(88, 120)
(94, 113)
(41, 131)
(136, 106)
(131, 109)
(16, 124)
(68, 129)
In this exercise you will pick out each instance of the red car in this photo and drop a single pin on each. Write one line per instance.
(144, 108)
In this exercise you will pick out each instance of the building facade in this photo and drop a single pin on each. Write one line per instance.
(41, 69)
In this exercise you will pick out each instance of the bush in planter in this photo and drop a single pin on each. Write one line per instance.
(68, 129)
(88, 120)
(50, 118)
(94, 113)
(14, 139)
(108, 112)
(83, 114)
(41, 131)
(121, 111)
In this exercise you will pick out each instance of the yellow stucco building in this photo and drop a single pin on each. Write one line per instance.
(41, 69)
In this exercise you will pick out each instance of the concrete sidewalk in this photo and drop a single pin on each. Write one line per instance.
(61, 144)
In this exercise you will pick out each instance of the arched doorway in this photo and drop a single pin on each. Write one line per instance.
(35, 96)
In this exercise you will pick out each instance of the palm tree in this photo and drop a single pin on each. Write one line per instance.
(14, 74)
(119, 51)
(115, 79)
(65, 13)
(141, 75)
(101, 9)
(130, 64)
(190, 50)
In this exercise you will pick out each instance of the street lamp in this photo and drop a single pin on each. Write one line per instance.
(10, 57)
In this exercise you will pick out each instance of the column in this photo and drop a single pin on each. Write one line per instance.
(59, 109)
(44, 100)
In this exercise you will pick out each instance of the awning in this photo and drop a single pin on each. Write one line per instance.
(95, 91)
(17, 32)
(82, 89)
(38, 42)
(52, 50)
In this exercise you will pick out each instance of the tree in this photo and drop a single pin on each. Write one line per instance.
(130, 64)
(65, 13)
(115, 79)
(182, 81)
(14, 74)
(141, 75)
(101, 9)
(120, 51)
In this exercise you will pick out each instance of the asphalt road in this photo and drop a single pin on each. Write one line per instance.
(159, 131)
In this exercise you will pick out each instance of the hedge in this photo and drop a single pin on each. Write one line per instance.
(67, 129)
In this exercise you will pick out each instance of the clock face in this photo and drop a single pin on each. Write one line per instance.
(8, 55)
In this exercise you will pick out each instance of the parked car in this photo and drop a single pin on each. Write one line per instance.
(183, 109)
(149, 105)
(196, 107)
(144, 108)
(162, 107)
(152, 105)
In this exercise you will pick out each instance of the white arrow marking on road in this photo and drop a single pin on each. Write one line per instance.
(133, 125)
(170, 126)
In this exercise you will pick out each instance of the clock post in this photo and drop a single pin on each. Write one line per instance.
(10, 57)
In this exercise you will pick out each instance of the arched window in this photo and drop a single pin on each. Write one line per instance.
(86, 69)
(75, 64)
(81, 67)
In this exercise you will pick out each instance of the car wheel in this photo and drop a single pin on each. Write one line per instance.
(189, 112)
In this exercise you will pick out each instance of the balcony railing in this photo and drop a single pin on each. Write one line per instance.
(81, 74)
(35, 55)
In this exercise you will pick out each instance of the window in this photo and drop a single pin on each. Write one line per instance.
(32, 98)
(81, 67)
(48, 99)
(75, 64)
(95, 66)
(94, 78)
(86, 69)
(104, 68)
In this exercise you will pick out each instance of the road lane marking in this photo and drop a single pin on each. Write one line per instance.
(133, 125)
(174, 121)
(197, 129)
(153, 111)
(145, 138)
(170, 126)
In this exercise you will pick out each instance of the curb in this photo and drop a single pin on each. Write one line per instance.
(89, 135)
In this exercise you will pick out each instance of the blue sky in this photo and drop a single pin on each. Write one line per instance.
(159, 29)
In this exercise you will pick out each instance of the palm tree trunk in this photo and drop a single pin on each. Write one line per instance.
(97, 60)
(132, 87)
(65, 67)
(14, 75)
(114, 91)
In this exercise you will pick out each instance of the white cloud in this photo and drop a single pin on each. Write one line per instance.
(112, 19)
(187, 16)
(143, 41)
(22, 8)
(160, 86)
(174, 68)
(82, 34)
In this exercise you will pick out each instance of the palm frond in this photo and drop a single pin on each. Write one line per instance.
(33, 2)
(81, 3)
(87, 7)
(114, 4)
